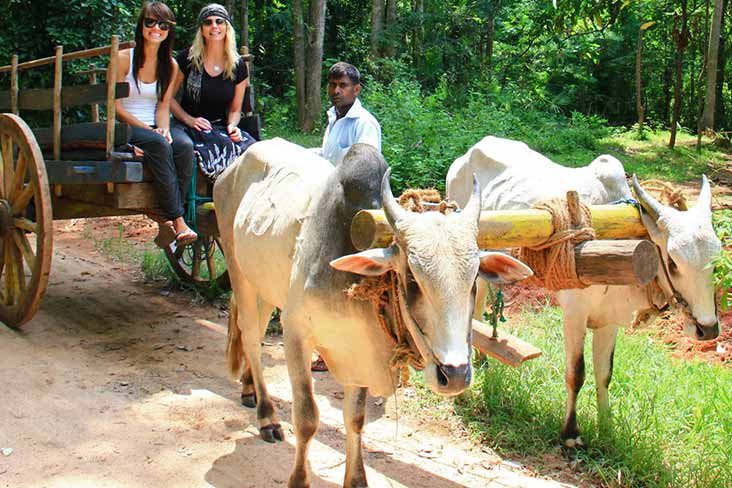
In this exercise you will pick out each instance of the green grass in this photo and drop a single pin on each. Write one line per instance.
(672, 423)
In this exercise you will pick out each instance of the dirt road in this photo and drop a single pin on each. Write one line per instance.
(115, 383)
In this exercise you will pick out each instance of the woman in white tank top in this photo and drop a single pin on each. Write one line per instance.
(149, 69)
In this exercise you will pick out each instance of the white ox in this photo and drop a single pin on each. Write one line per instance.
(284, 215)
(512, 176)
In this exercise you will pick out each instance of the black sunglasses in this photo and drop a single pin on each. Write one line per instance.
(209, 22)
(162, 24)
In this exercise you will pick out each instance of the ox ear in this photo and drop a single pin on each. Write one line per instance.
(372, 262)
(496, 267)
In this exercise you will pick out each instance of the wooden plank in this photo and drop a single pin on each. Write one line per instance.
(89, 135)
(57, 81)
(93, 172)
(506, 348)
(135, 195)
(111, 83)
(71, 96)
(66, 208)
(87, 53)
(509, 228)
(14, 84)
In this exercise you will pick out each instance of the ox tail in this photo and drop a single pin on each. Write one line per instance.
(234, 345)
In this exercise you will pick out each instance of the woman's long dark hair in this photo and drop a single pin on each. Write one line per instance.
(164, 70)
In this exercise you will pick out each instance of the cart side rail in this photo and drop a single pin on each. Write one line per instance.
(58, 97)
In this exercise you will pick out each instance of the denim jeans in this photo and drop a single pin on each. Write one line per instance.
(171, 166)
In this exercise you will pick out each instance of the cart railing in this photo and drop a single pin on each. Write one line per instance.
(58, 97)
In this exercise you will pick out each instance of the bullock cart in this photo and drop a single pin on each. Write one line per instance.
(81, 170)
(619, 256)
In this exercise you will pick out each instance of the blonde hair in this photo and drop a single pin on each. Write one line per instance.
(231, 56)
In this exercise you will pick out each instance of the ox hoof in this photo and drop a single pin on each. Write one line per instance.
(573, 443)
(249, 400)
(272, 433)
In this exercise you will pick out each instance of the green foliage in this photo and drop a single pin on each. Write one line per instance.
(672, 420)
(722, 221)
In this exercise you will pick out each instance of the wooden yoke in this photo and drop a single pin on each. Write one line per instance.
(600, 262)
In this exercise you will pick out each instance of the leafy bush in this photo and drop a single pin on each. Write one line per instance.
(722, 222)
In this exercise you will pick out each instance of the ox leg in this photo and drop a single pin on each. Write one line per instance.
(603, 350)
(305, 414)
(574, 345)
(252, 307)
(248, 395)
(354, 415)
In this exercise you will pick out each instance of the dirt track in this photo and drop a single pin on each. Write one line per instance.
(115, 384)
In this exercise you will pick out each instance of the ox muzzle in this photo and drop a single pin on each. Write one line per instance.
(452, 380)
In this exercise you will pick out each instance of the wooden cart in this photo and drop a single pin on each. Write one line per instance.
(79, 171)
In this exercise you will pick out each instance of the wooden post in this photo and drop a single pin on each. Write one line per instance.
(500, 229)
(111, 86)
(573, 205)
(57, 76)
(14, 84)
(95, 106)
(508, 349)
(244, 51)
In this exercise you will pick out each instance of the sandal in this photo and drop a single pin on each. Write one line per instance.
(166, 234)
(319, 365)
(186, 236)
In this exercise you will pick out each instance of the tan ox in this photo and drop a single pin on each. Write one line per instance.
(284, 216)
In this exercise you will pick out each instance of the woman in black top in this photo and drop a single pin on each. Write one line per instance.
(214, 79)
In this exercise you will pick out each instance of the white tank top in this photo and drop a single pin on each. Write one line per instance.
(142, 101)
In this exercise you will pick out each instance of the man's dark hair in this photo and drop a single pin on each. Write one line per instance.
(340, 68)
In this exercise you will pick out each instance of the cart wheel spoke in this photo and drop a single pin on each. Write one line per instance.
(25, 248)
(6, 150)
(196, 264)
(188, 264)
(23, 199)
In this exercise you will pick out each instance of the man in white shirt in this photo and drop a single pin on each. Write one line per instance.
(348, 121)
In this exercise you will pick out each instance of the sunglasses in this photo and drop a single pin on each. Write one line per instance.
(210, 22)
(163, 25)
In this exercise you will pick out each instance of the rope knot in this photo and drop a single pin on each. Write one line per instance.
(553, 261)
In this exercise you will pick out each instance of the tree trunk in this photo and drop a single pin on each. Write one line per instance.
(681, 38)
(299, 60)
(377, 26)
(418, 34)
(314, 64)
(667, 77)
(719, 112)
(391, 23)
(244, 22)
(490, 34)
(707, 118)
(638, 94)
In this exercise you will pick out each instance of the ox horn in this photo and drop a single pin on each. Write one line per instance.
(471, 212)
(704, 203)
(648, 203)
(393, 211)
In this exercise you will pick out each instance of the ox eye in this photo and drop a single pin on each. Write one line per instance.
(672, 268)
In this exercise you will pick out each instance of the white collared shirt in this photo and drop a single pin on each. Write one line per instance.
(358, 125)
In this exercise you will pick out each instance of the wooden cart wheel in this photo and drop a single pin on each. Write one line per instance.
(26, 222)
(201, 263)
